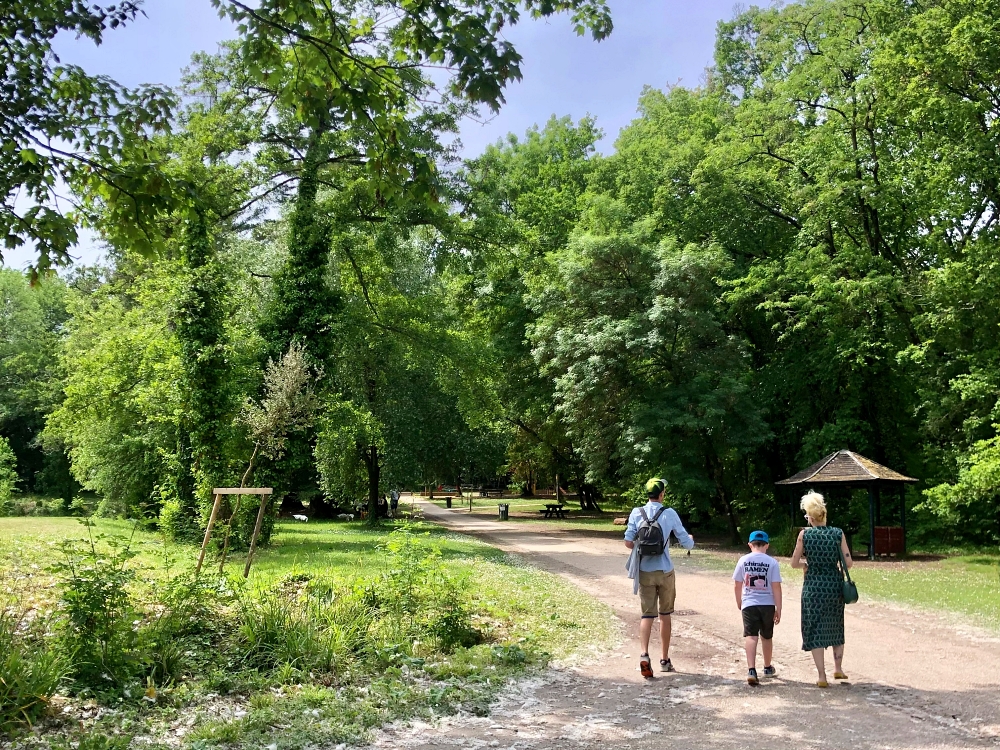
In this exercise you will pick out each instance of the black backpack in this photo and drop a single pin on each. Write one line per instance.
(649, 536)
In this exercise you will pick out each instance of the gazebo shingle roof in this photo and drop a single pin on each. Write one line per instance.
(845, 466)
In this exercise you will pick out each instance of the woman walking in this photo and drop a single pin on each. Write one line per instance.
(822, 591)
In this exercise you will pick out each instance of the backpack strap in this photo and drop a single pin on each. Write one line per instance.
(642, 512)
(659, 513)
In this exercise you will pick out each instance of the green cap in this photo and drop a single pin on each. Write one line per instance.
(655, 486)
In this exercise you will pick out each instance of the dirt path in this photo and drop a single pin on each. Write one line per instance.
(916, 681)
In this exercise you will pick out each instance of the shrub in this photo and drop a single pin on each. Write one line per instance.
(30, 670)
(98, 613)
(418, 588)
(184, 613)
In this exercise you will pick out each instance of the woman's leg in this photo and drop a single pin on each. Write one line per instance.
(820, 663)
(838, 658)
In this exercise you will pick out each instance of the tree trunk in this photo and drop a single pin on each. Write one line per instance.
(301, 309)
(201, 333)
(589, 496)
(371, 460)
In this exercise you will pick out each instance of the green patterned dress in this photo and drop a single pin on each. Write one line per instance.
(822, 590)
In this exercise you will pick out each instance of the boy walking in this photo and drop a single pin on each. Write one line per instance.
(757, 585)
(649, 565)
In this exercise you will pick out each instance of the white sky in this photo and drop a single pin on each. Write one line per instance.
(655, 43)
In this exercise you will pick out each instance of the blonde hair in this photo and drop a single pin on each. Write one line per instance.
(814, 505)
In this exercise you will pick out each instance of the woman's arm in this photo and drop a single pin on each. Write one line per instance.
(847, 552)
(797, 553)
(776, 588)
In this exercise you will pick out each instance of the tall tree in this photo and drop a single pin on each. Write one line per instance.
(60, 126)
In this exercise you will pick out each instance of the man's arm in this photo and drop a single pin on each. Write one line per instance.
(738, 590)
(631, 530)
(776, 588)
(683, 538)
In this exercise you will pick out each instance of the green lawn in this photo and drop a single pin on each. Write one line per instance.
(525, 617)
(966, 585)
(528, 510)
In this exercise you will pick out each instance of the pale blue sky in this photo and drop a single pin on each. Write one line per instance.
(655, 43)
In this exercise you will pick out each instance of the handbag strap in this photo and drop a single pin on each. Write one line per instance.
(843, 562)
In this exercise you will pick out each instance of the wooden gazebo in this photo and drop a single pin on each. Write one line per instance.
(851, 470)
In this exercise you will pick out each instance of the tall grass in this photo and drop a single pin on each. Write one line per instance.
(302, 628)
(30, 668)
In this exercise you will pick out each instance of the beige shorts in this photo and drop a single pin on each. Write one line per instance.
(656, 585)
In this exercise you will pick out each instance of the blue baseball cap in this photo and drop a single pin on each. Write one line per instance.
(760, 536)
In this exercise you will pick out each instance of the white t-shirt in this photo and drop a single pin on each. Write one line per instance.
(757, 571)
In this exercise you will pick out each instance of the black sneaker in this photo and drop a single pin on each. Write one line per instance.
(770, 672)
(666, 666)
(752, 677)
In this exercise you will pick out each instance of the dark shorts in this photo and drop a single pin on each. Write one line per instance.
(759, 620)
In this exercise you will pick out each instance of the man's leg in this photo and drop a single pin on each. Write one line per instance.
(665, 630)
(750, 646)
(645, 628)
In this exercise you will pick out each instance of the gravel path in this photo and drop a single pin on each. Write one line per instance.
(917, 680)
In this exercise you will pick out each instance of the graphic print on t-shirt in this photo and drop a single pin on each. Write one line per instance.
(757, 571)
(755, 574)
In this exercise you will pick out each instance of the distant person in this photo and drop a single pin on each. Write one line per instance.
(393, 501)
(822, 589)
(758, 596)
(649, 566)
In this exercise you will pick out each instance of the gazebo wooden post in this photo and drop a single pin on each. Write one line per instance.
(871, 521)
(902, 513)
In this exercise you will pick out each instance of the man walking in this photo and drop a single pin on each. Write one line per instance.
(649, 566)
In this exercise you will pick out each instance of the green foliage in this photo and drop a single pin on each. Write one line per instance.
(31, 325)
(90, 118)
(792, 259)
(30, 669)
(8, 477)
(419, 589)
(99, 612)
(295, 626)
(210, 402)
(332, 636)
(523, 198)
(120, 417)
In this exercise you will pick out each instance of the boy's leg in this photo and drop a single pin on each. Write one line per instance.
(767, 646)
(750, 646)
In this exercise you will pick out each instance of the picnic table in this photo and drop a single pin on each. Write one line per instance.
(553, 510)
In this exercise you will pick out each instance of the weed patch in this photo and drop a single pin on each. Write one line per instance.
(339, 629)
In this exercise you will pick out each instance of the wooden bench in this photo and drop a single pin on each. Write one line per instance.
(553, 510)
